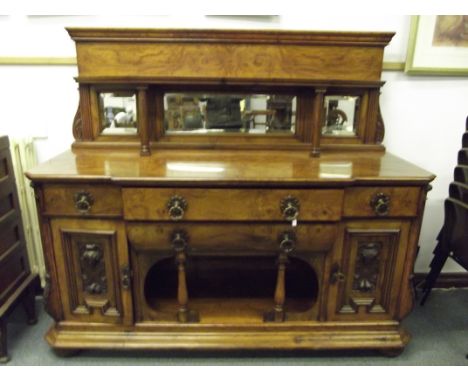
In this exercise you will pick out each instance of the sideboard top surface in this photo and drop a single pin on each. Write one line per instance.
(228, 168)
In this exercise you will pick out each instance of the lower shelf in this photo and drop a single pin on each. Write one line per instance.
(228, 311)
(223, 289)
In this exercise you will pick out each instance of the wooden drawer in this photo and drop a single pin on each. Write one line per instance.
(10, 231)
(231, 238)
(82, 200)
(231, 204)
(393, 201)
(13, 270)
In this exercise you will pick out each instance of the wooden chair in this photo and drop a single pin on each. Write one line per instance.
(453, 237)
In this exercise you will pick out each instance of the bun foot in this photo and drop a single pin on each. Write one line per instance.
(4, 359)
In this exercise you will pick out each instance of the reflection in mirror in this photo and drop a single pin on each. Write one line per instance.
(118, 113)
(198, 113)
(340, 115)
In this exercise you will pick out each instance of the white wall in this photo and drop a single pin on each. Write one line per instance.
(424, 116)
(44, 35)
(424, 122)
(39, 101)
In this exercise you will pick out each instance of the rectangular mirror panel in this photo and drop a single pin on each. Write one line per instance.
(118, 112)
(340, 115)
(199, 113)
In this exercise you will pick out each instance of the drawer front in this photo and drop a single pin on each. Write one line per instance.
(231, 238)
(10, 232)
(13, 270)
(82, 200)
(232, 204)
(381, 201)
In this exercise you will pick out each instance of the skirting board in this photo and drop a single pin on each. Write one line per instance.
(445, 280)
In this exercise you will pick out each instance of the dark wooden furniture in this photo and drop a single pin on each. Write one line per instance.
(229, 240)
(453, 237)
(16, 279)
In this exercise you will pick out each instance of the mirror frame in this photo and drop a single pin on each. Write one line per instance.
(243, 95)
(307, 134)
(157, 60)
(100, 111)
(221, 139)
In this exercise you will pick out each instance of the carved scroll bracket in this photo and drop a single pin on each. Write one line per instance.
(380, 127)
(78, 125)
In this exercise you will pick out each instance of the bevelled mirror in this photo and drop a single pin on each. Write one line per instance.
(221, 113)
(340, 115)
(118, 113)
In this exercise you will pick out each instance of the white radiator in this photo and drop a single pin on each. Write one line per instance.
(24, 157)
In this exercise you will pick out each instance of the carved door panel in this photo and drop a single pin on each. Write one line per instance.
(366, 274)
(93, 266)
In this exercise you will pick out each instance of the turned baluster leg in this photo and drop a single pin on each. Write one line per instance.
(182, 294)
(280, 290)
(179, 241)
(287, 242)
(3, 341)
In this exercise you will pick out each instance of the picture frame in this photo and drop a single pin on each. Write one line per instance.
(438, 45)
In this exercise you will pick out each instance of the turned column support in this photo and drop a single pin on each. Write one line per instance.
(287, 244)
(182, 294)
(280, 290)
(317, 107)
(143, 125)
(179, 241)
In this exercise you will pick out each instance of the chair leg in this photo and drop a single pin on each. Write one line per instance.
(29, 305)
(437, 264)
(4, 358)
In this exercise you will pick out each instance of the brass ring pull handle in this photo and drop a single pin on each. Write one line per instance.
(287, 242)
(179, 240)
(176, 206)
(380, 204)
(83, 201)
(290, 208)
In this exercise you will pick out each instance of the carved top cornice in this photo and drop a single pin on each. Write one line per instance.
(230, 36)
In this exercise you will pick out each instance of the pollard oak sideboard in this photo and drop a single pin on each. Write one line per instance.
(229, 190)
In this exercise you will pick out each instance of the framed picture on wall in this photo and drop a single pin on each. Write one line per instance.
(438, 45)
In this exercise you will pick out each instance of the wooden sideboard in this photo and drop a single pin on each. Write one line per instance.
(222, 239)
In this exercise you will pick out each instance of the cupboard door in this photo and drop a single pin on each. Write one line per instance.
(366, 274)
(93, 266)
